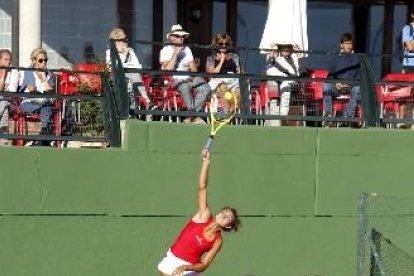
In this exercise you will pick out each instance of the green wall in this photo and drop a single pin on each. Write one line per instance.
(115, 212)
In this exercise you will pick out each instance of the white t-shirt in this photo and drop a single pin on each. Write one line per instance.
(183, 59)
(39, 86)
(274, 71)
(12, 81)
(128, 61)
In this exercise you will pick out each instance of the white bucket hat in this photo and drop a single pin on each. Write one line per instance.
(177, 30)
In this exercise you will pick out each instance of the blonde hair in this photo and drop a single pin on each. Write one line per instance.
(37, 52)
(117, 33)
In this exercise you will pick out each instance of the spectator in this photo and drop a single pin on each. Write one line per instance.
(178, 57)
(283, 62)
(408, 44)
(344, 65)
(224, 62)
(8, 83)
(41, 81)
(129, 60)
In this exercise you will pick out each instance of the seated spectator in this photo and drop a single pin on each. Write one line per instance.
(178, 57)
(38, 81)
(283, 62)
(408, 45)
(129, 60)
(8, 82)
(224, 62)
(344, 65)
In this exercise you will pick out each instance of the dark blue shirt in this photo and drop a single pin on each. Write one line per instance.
(345, 66)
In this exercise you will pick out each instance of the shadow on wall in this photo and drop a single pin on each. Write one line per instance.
(64, 53)
(89, 55)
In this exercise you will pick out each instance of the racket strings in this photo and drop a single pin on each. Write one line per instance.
(224, 110)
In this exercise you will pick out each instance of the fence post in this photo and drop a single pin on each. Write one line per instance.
(111, 114)
(119, 81)
(244, 98)
(369, 101)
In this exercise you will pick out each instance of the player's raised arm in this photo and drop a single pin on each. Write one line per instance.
(203, 212)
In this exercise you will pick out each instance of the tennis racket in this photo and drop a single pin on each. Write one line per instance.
(223, 107)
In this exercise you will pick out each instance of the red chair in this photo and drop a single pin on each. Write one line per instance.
(392, 97)
(339, 103)
(315, 90)
(255, 102)
(268, 90)
(161, 91)
(174, 99)
(140, 100)
(68, 83)
(22, 119)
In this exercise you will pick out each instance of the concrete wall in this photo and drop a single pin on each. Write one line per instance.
(115, 212)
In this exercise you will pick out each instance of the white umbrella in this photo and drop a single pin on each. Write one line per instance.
(286, 24)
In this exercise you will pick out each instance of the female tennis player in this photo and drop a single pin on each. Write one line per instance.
(201, 235)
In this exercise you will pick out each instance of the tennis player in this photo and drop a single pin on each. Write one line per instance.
(201, 235)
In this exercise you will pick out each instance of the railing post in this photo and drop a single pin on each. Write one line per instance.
(244, 98)
(119, 81)
(369, 101)
(111, 115)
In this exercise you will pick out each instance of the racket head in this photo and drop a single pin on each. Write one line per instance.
(223, 105)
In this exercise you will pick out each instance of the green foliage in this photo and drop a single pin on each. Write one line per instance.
(91, 118)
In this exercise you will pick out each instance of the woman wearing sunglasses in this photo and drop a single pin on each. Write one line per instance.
(38, 80)
(222, 61)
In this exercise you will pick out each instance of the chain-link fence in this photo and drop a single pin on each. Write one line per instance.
(385, 242)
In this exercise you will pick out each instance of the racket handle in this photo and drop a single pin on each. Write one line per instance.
(209, 143)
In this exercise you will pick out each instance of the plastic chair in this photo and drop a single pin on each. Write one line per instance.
(268, 93)
(255, 103)
(392, 97)
(268, 90)
(314, 90)
(22, 119)
(161, 90)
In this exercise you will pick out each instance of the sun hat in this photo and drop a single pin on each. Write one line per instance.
(177, 30)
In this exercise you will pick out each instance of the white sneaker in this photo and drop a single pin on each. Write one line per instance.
(187, 120)
(199, 121)
(28, 144)
(4, 142)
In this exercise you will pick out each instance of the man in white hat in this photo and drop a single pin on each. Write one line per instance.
(178, 57)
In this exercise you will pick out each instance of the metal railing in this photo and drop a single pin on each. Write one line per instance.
(76, 111)
(261, 99)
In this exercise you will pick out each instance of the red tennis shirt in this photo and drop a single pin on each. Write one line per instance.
(191, 243)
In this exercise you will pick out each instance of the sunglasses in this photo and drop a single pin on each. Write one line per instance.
(178, 36)
(224, 44)
(41, 60)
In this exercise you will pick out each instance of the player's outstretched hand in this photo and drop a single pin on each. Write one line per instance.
(205, 154)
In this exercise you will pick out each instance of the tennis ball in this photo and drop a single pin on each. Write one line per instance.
(228, 96)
